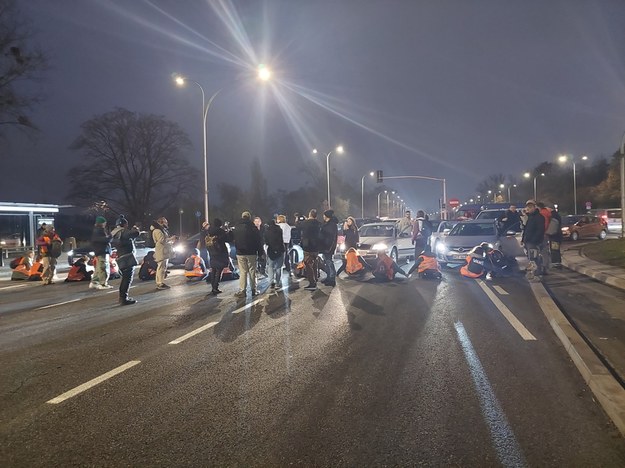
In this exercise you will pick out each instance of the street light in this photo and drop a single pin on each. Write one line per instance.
(362, 194)
(339, 149)
(180, 212)
(502, 186)
(527, 175)
(563, 158)
(388, 202)
(264, 74)
(379, 201)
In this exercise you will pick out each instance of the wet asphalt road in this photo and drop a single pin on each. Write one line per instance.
(364, 374)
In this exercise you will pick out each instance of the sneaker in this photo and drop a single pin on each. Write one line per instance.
(273, 286)
(217, 291)
(92, 285)
(108, 286)
(128, 301)
(239, 294)
(311, 287)
(100, 286)
(162, 286)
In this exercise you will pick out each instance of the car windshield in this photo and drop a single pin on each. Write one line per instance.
(376, 230)
(490, 214)
(473, 229)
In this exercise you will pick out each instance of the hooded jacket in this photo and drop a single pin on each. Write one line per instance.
(247, 238)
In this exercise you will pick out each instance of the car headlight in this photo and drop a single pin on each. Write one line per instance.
(179, 249)
(70, 253)
(379, 246)
(92, 253)
(441, 248)
(565, 228)
(491, 246)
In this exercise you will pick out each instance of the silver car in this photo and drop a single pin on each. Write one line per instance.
(384, 236)
(454, 248)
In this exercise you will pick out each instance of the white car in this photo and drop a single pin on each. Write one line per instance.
(384, 236)
(441, 229)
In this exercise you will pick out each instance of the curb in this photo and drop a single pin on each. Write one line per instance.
(610, 275)
(604, 386)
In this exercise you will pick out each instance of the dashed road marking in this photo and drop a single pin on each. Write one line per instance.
(92, 383)
(58, 304)
(516, 324)
(500, 290)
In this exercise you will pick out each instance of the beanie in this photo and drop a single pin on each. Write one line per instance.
(100, 220)
(328, 213)
(246, 214)
(121, 221)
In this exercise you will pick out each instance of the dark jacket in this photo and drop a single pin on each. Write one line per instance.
(247, 238)
(101, 241)
(534, 232)
(351, 238)
(509, 221)
(329, 233)
(218, 251)
(273, 239)
(311, 233)
(124, 239)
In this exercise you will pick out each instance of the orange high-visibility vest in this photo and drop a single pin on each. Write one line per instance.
(427, 263)
(353, 264)
(197, 268)
(474, 268)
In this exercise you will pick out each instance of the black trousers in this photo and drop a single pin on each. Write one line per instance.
(124, 286)
(214, 277)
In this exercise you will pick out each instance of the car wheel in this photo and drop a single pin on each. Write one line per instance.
(574, 236)
(602, 235)
(394, 254)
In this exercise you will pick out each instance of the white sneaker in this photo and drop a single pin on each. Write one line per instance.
(108, 286)
(93, 285)
(100, 286)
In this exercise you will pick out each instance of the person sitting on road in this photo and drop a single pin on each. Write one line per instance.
(426, 265)
(496, 263)
(386, 268)
(147, 271)
(355, 265)
(21, 267)
(194, 267)
(474, 266)
(78, 271)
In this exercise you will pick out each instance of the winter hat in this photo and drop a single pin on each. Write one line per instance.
(530, 202)
(100, 220)
(328, 213)
(218, 222)
(121, 221)
(246, 214)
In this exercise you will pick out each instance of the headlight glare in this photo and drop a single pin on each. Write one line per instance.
(441, 248)
(379, 246)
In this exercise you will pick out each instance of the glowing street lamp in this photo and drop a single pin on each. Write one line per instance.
(338, 149)
(264, 74)
(362, 194)
(563, 158)
(527, 175)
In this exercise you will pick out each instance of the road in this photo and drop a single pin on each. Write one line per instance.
(450, 373)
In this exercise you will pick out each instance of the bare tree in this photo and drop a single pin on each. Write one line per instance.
(19, 63)
(134, 162)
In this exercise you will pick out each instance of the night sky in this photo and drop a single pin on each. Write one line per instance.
(449, 89)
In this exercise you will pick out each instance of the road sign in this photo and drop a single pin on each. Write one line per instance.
(588, 205)
(198, 214)
(454, 202)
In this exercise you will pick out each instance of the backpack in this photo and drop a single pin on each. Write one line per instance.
(552, 227)
(56, 248)
(116, 240)
(212, 243)
(149, 242)
(15, 262)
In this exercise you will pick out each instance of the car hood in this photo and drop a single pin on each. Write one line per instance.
(468, 241)
(366, 242)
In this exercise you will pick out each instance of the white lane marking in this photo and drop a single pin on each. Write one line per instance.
(13, 287)
(193, 333)
(506, 445)
(58, 304)
(92, 383)
(500, 290)
(516, 324)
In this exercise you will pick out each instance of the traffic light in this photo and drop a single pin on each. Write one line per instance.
(379, 177)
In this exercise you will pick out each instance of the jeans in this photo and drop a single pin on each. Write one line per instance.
(247, 266)
(287, 260)
(274, 269)
(102, 270)
(329, 269)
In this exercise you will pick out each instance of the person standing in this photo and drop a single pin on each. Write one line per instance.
(310, 229)
(124, 239)
(262, 261)
(421, 232)
(544, 248)
(554, 235)
(405, 224)
(101, 244)
(329, 235)
(275, 253)
(286, 240)
(249, 245)
(49, 249)
(350, 232)
(533, 237)
(202, 242)
(509, 221)
(218, 253)
(163, 250)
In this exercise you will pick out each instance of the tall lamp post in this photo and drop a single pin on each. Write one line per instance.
(385, 191)
(339, 149)
(527, 175)
(388, 202)
(622, 186)
(264, 74)
(362, 194)
(563, 159)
